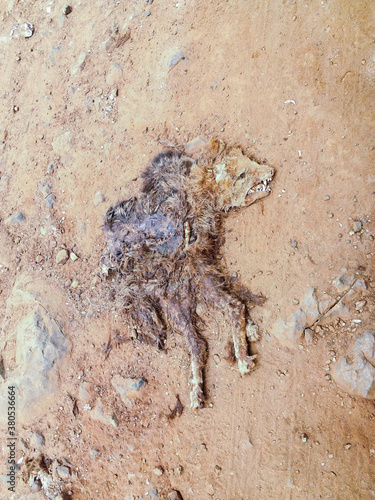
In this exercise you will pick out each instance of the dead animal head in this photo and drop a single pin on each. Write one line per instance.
(240, 181)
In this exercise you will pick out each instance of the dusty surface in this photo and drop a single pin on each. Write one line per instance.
(85, 102)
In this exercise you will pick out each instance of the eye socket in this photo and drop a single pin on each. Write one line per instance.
(241, 176)
(118, 253)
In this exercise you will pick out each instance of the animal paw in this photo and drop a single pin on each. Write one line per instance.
(252, 333)
(246, 364)
(197, 398)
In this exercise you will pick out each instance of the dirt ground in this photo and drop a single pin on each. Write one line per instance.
(86, 101)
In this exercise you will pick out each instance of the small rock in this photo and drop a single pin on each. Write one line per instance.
(348, 446)
(63, 472)
(359, 305)
(360, 285)
(326, 198)
(357, 226)
(36, 486)
(176, 59)
(159, 471)
(25, 30)
(39, 259)
(50, 200)
(39, 346)
(15, 219)
(81, 62)
(344, 281)
(45, 188)
(74, 284)
(97, 413)
(94, 453)
(174, 495)
(98, 198)
(304, 438)
(330, 215)
(327, 377)
(153, 493)
(113, 93)
(294, 244)
(67, 10)
(309, 336)
(179, 470)
(148, 13)
(73, 256)
(195, 146)
(37, 440)
(62, 257)
(358, 377)
(292, 328)
(127, 387)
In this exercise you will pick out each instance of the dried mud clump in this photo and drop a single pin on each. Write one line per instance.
(164, 244)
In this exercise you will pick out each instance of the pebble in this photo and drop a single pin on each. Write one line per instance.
(36, 486)
(196, 145)
(80, 64)
(174, 495)
(67, 10)
(304, 438)
(50, 200)
(326, 198)
(63, 471)
(37, 439)
(74, 284)
(159, 471)
(327, 377)
(347, 446)
(330, 215)
(25, 30)
(294, 244)
(176, 59)
(39, 259)
(148, 13)
(359, 305)
(309, 336)
(73, 256)
(357, 226)
(98, 198)
(62, 257)
(94, 453)
(15, 219)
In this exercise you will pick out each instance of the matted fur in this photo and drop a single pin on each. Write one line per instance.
(165, 242)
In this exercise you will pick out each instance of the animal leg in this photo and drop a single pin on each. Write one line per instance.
(180, 316)
(243, 327)
(148, 321)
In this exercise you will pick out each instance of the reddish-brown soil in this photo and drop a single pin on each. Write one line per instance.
(293, 83)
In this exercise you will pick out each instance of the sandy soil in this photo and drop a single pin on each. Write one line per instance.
(86, 101)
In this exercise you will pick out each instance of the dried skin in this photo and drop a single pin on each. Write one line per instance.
(164, 244)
